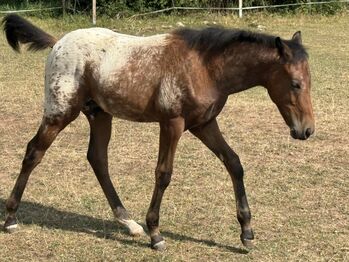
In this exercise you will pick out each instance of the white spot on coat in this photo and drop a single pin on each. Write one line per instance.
(170, 94)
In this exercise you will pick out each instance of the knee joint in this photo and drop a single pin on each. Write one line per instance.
(163, 179)
(234, 165)
(33, 156)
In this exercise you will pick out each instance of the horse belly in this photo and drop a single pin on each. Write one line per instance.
(127, 100)
(146, 100)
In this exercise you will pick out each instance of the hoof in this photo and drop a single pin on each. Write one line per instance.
(11, 228)
(136, 230)
(160, 246)
(247, 239)
(158, 243)
(133, 227)
(248, 243)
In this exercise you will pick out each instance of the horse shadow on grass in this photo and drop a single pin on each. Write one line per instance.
(50, 217)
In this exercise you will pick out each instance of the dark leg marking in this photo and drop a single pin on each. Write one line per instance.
(212, 137)
(97, 155)
(36, 149)
(170, 133)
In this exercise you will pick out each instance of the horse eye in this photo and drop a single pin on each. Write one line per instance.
(295, 85)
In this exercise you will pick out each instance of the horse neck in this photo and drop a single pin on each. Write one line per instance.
(243, 67)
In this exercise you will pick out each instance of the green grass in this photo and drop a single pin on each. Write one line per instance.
(298, 191)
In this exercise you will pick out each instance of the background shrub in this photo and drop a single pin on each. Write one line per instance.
(117, 8)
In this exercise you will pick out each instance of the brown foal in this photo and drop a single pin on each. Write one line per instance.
(181, 80)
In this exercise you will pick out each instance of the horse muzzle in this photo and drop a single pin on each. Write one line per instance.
(303, 134)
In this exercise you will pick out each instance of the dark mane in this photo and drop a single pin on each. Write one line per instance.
(213, 40)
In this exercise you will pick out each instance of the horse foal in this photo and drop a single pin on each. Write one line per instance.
(181, 80)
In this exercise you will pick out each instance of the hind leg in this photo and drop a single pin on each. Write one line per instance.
(36, 149)
(97, 155)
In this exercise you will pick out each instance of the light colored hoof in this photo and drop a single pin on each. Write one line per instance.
(160, 246)
(11, 228)
(133, 227)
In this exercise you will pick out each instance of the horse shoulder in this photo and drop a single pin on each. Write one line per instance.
(204, 99)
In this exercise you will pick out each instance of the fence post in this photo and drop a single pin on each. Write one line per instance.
(94, 12)
(63, 7)
(240, 8)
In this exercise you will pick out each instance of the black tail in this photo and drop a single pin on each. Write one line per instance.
(18, 30)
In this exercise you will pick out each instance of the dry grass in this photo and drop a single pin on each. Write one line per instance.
(298, 191)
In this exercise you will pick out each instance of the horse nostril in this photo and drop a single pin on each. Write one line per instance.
(308, 132)
(293, 133)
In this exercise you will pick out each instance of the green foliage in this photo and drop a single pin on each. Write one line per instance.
(10, 5)
(118, 8)
(325, 9)
(25, 4)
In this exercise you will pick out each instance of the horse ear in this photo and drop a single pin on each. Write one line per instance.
(297, 37)
(284, 51)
